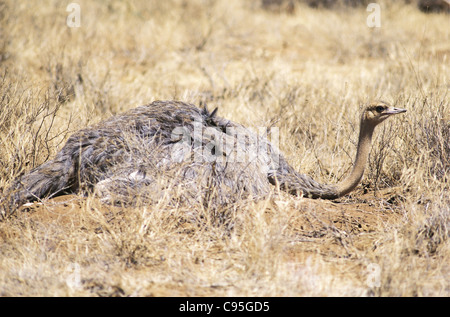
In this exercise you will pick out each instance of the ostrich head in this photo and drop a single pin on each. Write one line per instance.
(377, 112)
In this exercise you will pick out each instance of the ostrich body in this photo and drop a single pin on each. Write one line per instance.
(127, 155)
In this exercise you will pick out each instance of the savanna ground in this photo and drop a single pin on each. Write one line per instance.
(307, 72)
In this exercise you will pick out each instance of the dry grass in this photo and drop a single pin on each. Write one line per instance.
(307, 73)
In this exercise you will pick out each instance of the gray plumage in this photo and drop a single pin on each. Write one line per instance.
(143, 153)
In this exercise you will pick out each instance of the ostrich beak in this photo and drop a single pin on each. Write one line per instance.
(394, 110)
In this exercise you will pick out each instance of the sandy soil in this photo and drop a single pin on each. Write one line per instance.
(332, 232)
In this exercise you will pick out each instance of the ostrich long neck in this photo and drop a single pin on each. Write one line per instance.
(295, 182)
(364, 144)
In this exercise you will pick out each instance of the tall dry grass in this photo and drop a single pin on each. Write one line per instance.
(307, 73)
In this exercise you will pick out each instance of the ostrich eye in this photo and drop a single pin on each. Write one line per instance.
(379, 109)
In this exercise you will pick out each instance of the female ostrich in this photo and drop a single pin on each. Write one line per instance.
(126, 156)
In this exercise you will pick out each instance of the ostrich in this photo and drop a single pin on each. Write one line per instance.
(127, 155)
